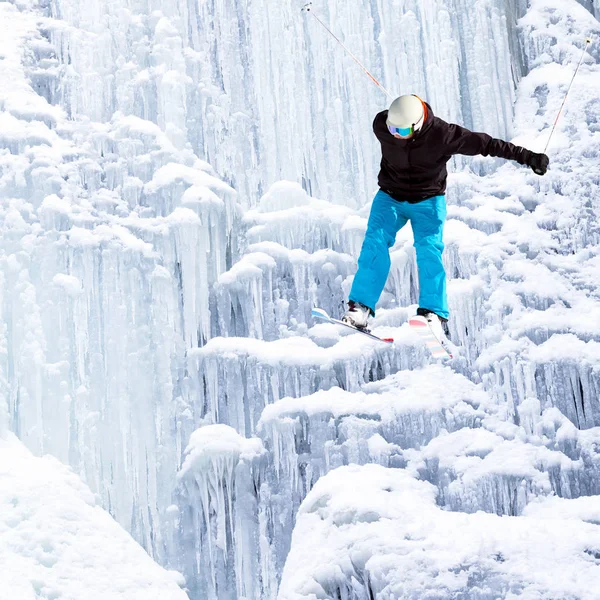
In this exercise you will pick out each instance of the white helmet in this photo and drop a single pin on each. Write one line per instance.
(406, 115)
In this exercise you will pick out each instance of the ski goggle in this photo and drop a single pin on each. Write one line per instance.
(405, 132)
(402, 131)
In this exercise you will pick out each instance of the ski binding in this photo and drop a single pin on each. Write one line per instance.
(319, 313)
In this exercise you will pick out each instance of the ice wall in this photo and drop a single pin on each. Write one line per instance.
(222, 474)
(212, 75)
(112, 238)
(149, 287)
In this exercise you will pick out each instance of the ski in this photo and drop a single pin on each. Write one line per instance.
(319, 313)
(435, 346)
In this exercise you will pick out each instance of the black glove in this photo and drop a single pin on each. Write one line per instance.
(538, 162)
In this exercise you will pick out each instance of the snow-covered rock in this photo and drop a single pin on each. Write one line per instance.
(372, 532)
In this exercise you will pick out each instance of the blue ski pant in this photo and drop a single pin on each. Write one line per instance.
(387, 217)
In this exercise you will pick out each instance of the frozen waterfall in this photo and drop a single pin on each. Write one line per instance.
(180, 183)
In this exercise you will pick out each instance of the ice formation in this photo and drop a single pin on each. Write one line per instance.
(180, 183)
(220, 476)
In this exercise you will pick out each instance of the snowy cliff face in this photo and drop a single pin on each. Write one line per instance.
(156, 277)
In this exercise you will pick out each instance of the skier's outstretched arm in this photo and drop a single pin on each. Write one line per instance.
(462, 141)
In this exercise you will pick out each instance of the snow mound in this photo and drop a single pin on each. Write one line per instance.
(282, 195)
(377, 533)
(55, 543)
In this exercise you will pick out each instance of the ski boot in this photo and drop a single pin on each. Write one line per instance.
(357, 315)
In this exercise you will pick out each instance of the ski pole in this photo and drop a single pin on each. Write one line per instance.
(588, 41)
(307, 8)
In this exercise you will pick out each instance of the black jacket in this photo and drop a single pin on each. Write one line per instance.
(415, 169)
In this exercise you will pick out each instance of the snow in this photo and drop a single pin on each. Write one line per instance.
(173, 172)
(375, 532)
(55, 542)
(213, 440)
(283, 195)
(585, 509)
(403, 392)
(70, 284)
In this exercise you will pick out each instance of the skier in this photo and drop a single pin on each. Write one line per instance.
(415, 147)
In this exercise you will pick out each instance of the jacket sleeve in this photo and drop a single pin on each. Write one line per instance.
(379, 127)
(462, 141)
